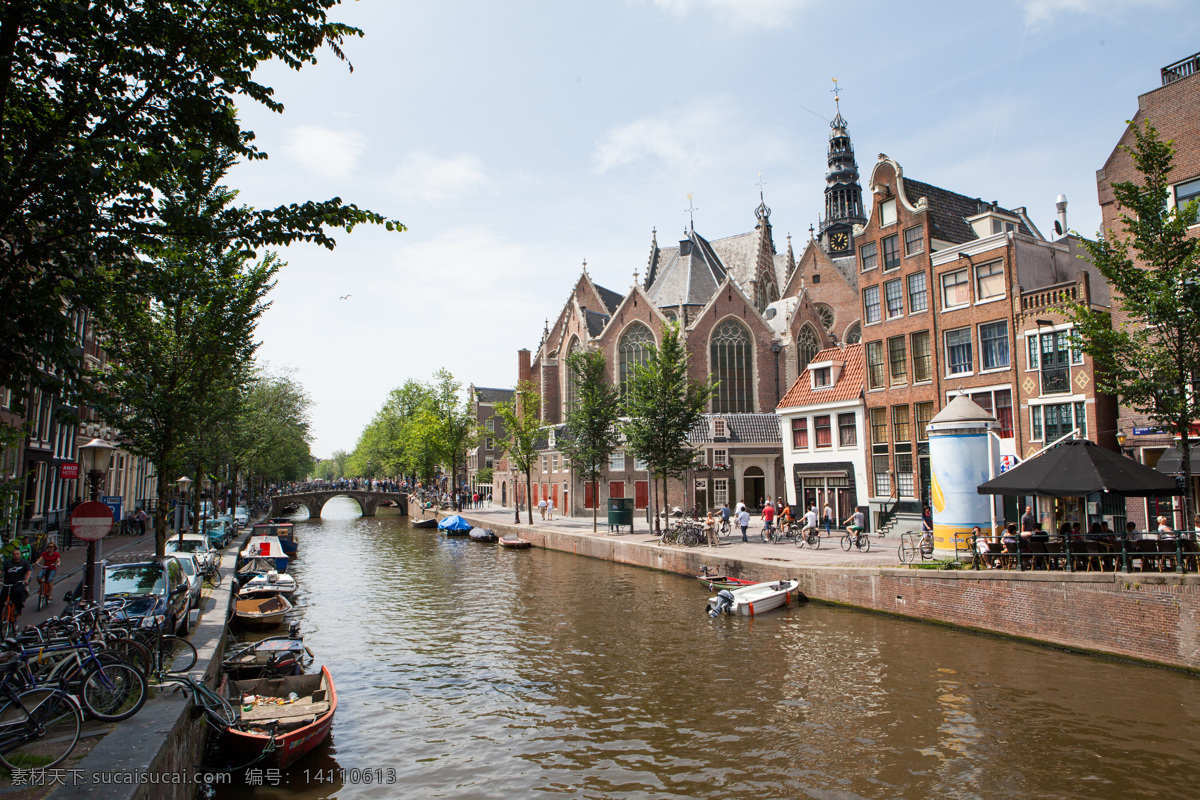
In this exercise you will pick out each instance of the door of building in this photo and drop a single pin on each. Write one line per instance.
(754, 487)
(616, 489)
(554, 494)
(701, 496)
(641, 494)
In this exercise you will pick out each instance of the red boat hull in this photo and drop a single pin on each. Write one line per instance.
(291, 746)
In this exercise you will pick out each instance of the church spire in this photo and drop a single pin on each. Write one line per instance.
(843, 194)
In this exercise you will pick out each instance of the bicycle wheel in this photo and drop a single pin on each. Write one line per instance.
(814, 540)
(213, 578)
(846, 542)
(863, 542)
(801, 540)
(113, 692)
(907, 552)
(134, 652)
(39, 730)
(765, 534)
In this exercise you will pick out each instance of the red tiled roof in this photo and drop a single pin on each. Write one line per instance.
(848, 386)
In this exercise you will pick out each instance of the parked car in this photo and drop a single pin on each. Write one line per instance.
(195, 577)
(242, 515)
(199, 546)
(217, 533)
(156, 592)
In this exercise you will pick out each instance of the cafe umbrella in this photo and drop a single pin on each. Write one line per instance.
(1078, 468)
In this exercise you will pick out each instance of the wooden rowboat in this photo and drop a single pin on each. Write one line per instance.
(425, 523)
(515, 542)
(715, 582)
(261, 612)
(264, 715)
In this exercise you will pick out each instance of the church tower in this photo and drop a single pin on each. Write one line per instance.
(843, 194)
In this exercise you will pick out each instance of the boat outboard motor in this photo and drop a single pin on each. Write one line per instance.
(294, 630)
(724, 603)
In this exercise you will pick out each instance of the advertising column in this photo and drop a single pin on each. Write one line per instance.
(960, 460)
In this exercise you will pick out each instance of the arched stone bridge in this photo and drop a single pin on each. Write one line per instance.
(368, 501)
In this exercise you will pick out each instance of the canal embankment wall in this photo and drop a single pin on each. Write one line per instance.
(157, 754)
(1149, 617)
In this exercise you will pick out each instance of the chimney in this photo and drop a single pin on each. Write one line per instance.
(524, 366)
(1060, 226)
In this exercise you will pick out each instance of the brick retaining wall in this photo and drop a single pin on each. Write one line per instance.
(1144, 616)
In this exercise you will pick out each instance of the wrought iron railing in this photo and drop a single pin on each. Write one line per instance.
(1181, 69)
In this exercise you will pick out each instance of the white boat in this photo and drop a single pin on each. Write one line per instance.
(265, 547)
(261, 612)
(753, 599)
(262, 583)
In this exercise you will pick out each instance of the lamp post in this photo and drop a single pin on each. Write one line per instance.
(516, 502)
(94, 459)
(183, 483)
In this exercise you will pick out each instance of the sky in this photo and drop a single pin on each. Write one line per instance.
(517, 139)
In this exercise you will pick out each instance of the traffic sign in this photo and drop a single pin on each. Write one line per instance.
(91, 521)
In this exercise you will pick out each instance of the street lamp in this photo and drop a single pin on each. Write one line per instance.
(94, 459)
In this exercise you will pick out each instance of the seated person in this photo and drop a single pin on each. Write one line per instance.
(1039, 535)
(1010, 540)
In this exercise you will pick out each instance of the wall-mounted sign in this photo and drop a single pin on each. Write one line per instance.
(1146, 431)
(69, 471)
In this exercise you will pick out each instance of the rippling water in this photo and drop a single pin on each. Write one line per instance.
(476, 672)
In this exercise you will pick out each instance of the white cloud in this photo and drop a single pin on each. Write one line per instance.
(685, 140)
(764, 13)
(328, 153)
(424, 177)
(1042, 12)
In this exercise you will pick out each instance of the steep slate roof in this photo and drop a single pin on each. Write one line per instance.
(739, 254)
(848, 386)
(686, 279)
(741, 429)
(611, 299)
(595, 321)
(484, 395)
(847, 267)
(948, 211)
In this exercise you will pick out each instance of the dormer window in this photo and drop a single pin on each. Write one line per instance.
(824, 374)
(718, 428)
(550, 439)
(821, 377)
(990, 223)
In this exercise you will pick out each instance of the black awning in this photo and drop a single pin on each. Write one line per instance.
(1077, 468)
(1171, 462)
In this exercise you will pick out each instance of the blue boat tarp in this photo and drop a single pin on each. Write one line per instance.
(454, 523)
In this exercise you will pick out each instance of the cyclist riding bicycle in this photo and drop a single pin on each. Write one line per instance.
(809, 521)
(857, 522)
(48, 561)
(15, 584)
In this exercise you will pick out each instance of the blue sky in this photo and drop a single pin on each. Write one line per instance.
(517, 139)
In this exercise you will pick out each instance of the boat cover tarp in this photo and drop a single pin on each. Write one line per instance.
(454, 523)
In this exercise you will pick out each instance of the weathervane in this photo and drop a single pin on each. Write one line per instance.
(761, 184)
(836, 95)
(691, 212)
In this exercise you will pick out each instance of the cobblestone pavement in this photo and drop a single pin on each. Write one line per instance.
(830, 553)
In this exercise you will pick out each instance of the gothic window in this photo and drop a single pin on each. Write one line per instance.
(732, 366)
(572, 389)
(854, 334)
(825, 312)
(806, 347)
(634, 349)
(768, 293)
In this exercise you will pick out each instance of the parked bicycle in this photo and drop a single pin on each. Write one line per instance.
(912, 543)
(39, 727)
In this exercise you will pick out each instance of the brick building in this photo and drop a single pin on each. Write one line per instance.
(1174, 110)
(485, 454)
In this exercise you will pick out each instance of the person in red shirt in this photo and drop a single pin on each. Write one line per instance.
(49, 562)
(768, 516)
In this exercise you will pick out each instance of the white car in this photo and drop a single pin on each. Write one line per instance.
(194, 576)
(196, 545)
(242, 515)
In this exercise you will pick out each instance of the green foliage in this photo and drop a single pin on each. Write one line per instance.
(457, 430)
(522, 428)
(484, 475)
(1151, 361)
(100, 105)
(663, 406)
(591, 434)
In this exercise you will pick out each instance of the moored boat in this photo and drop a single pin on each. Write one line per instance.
(425, 523)
(753, 599)
(284, 531)
(274, 657)
(265, 716)
(265, 547)
(261, 612)
(483, 535)
(259, 579)
(714, 582)
(515, 542)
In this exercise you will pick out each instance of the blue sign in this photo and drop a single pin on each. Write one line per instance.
(113, 501)
(1146, 431)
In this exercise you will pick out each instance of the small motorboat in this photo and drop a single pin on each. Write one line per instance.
(515, 542)
(261, 612)
(283, 530)
(425, 523)
(483, 535)
(715, 582)
(270, 658)
(293, 713)
(753, 599)
(265, 547)
(258, 582)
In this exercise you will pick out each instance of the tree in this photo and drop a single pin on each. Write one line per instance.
(1151, 362)
(100, 102)
(591, 434)
(180, 335)
(522, 431)
(457, 428)
(663, 406)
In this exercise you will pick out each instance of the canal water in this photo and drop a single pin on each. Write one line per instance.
(467, 671)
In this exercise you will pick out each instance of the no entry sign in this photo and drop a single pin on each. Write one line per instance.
(91, 521)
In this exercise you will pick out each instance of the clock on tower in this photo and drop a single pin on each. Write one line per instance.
(839, 241)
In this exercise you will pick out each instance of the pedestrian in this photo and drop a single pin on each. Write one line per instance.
(710, 530)
(542, 507)
(768, 516)
(926, 518)
(141, 520)
(550, 510)
(743, 520)
(827, 517)
(1028, 521)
